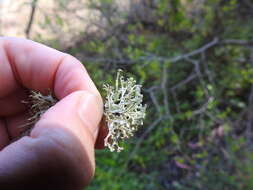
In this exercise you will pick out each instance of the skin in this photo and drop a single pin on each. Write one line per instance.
(59, 152)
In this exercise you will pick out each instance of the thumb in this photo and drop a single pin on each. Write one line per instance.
(80, 113)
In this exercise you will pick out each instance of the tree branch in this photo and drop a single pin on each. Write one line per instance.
(31, 19)
(164, 90)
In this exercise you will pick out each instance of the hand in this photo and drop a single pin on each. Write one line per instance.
(59, 152)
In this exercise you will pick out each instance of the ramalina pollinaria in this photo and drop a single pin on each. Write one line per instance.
(123, 110)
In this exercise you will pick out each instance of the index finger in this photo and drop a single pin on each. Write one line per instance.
(38, 67)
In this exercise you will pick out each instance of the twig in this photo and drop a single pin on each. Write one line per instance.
(29, 25)
(236, 42)
(198, 51)
(207, 71)
(164, 90)
(153, 97)
(203, 108)
(196, 64)
(184, 82)
(174, 95)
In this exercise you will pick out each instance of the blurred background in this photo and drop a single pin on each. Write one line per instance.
(194, 59)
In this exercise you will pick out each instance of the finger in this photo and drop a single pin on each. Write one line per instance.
(17, 124)
(12, 104)
(45, 163)
(8, 82)
(4, 137)
(80, 114)
(63, 146)
(40, 68)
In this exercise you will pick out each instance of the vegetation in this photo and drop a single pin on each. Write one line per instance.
(195, 61)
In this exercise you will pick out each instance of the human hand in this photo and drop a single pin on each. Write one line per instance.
(59, 152)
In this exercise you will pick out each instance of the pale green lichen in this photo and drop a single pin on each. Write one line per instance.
(124, 111)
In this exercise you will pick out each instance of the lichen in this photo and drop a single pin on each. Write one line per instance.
(38, 104)
(124, 111)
